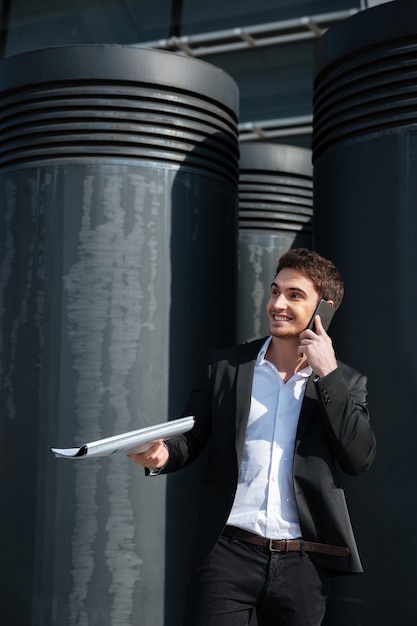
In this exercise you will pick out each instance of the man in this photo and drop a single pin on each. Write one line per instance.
(280, 414)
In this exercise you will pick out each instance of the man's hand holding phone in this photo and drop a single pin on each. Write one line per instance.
(316, 344)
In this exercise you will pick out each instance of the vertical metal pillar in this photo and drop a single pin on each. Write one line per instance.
(275, 214)
(118, 180)
(365, 199)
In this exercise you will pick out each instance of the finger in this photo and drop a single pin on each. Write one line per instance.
(318, 325)
(301, 350)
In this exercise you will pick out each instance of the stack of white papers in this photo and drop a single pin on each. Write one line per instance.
(128, 443)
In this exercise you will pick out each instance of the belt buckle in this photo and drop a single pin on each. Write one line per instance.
(284, 541)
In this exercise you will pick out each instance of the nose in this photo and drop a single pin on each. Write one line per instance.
(280, 302)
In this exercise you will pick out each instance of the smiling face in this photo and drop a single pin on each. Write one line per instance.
(291, 304)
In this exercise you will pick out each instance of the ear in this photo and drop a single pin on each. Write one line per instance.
(331, 302)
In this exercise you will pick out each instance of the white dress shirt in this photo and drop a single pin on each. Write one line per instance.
(265, 503)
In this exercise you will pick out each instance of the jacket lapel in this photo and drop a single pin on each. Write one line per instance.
(249, 353)
(308, 406)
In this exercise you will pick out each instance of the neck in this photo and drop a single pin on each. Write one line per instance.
(284, 355)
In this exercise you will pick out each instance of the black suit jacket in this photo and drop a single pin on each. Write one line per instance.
(333, 430)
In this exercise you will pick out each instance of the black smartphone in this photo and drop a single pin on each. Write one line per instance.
(326, 312)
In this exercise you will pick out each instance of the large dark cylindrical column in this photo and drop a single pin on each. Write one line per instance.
(118, 215)
(275, 214)
(365, 208)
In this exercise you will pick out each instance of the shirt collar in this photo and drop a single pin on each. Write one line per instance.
(305, 372)
(262, 351)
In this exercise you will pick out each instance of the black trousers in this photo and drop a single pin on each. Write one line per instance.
(285, 589)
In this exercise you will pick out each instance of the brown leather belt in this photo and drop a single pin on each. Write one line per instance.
(284, 545)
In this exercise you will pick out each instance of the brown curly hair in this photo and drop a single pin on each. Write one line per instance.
(323, 273)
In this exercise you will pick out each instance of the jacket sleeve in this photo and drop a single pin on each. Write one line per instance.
(184, 449)
(342, 395)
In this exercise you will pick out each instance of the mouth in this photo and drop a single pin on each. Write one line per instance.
(281, 318)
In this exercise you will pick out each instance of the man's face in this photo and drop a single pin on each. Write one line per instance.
(291, 304)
